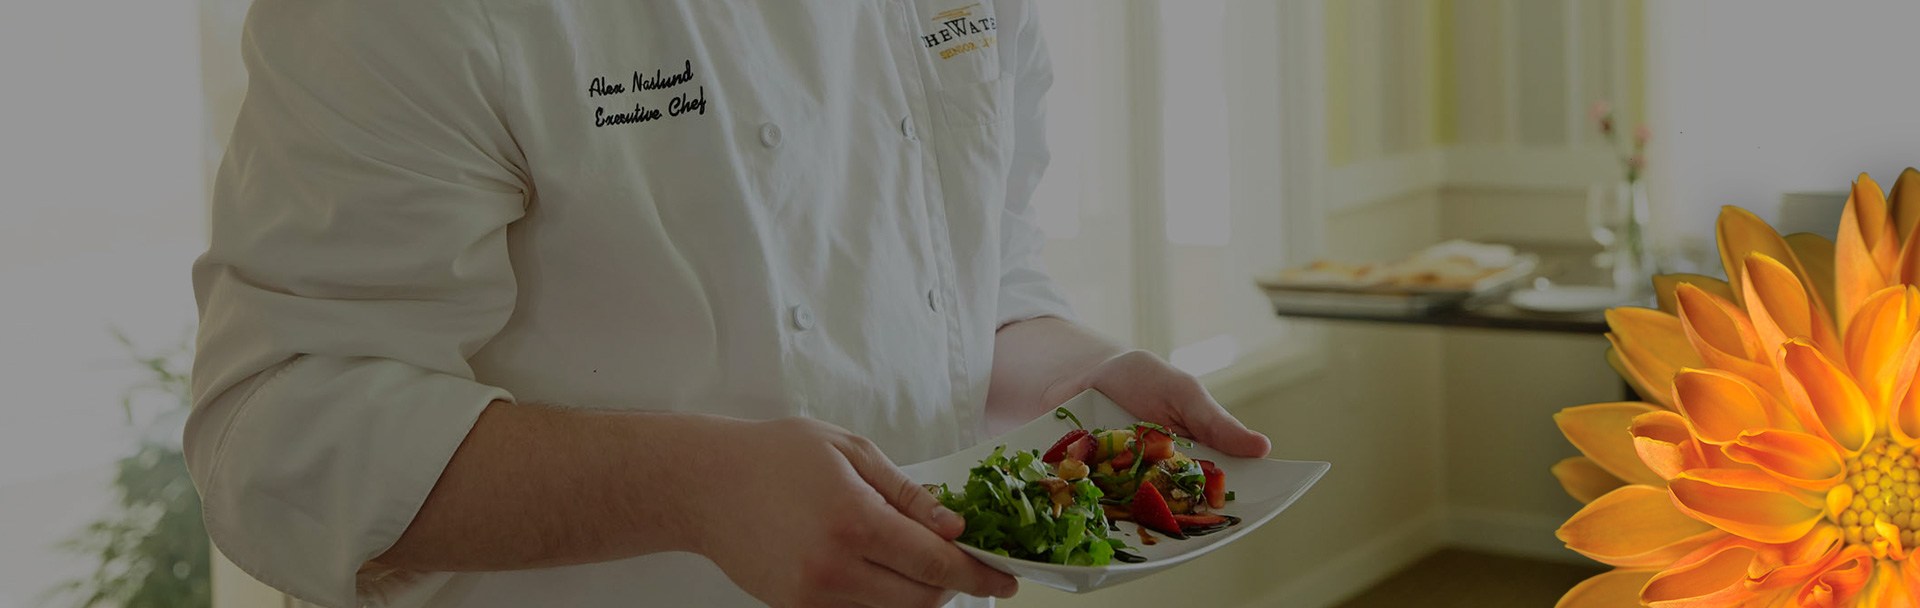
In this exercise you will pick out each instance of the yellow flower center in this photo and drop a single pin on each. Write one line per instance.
(1883, 483)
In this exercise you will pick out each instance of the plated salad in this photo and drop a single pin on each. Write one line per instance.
(1057, 506)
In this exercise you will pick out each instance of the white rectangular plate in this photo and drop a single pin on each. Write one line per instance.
(1262, 489)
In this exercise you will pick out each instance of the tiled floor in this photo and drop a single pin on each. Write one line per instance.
(1455, 578)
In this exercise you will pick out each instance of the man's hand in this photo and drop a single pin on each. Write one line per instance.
(802, 513)
(1040, 363)
(1155, 391)
(797, 512)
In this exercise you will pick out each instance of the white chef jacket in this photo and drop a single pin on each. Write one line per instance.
(750, 208)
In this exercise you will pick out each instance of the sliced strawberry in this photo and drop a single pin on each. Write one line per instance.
(1155, 445)
(1059, 449)
(1216, 484)
(1081, 449)
(1122, 460)
(1150, 510)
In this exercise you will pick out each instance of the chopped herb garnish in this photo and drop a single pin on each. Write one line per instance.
(1061, 413)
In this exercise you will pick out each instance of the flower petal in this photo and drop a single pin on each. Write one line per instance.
(1907, 269)
(1790, 565)
(1782, 309)
(1584, 480)
(1875, 219)
(1826, 400)
(1721, 405)
(1653, 346)
(1665, 444)
(1602, 432)
(1665, 284)
(1741, 233)
(1716, 576)
(1886, 541)
(1903, 587)
(1720, 332)
(1903, 422)
(1876, 342)
(1816, 265)
(1610, 589)
(1632, 377)
(1839, 582)
(1864, 255)
(1904, 203)
(1714, 323)
(1888, 588)
(1749, 504)
(1635, 527)
(1801, 460)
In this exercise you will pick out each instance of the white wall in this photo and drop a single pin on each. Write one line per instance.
(1751, 98)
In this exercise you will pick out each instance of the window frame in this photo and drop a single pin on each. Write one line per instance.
(1300, 349)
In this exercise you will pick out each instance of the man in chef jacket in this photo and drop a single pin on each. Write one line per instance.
(631, 302)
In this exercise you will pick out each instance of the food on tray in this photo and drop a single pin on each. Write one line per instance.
(1058, 506)
(1325, 271)
(1458, 265)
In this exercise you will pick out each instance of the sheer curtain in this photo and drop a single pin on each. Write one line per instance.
(1164, 195)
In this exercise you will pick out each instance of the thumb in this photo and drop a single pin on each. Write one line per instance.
(908, 497)
(1213, 426)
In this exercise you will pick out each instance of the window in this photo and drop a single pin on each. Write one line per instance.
(104, 200)
(1164, 198)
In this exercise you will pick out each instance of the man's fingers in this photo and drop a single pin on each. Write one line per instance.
(870, 584)
(1213, 426)
(917, 554)
(916, 546)
(908, 497)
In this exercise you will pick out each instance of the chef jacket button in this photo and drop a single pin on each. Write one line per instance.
(770, 135)
(933, 300)
(802, 317)
(906, 128)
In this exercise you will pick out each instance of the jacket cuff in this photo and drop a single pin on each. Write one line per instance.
(321, 467)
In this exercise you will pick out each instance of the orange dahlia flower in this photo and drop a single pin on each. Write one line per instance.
(1773, 462)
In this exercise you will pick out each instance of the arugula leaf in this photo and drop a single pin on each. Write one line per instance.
(1008, 512)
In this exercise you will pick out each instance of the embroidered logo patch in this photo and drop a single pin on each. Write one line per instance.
(960, 31)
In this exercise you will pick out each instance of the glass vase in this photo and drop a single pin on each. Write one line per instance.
(1633, 260)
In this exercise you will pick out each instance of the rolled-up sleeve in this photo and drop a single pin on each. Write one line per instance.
(358, 258)
(1026, 291)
